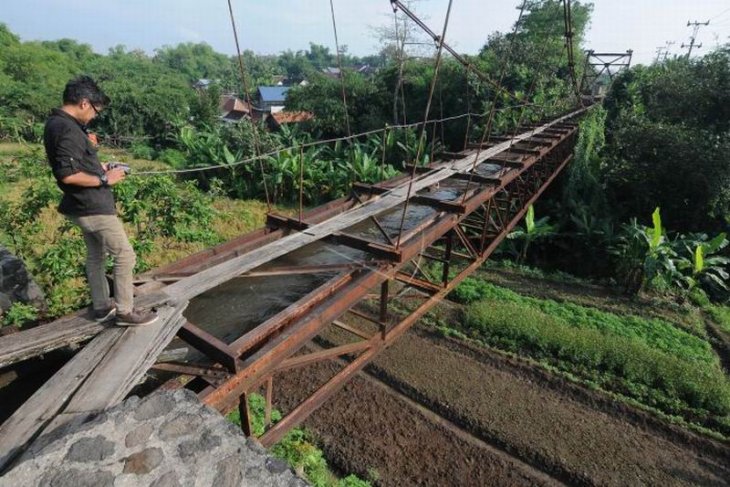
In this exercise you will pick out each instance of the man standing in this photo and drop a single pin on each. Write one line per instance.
(88, 200)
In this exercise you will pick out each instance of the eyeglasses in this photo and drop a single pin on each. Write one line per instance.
(93, 107)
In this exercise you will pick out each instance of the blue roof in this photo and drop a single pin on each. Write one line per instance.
(273, 93)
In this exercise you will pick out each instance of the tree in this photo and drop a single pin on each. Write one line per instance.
(668, 143)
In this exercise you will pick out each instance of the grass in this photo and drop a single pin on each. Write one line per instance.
(297, 449)
(527, 281)
(720, 316)
(649, 360)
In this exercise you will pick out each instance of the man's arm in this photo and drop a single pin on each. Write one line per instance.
(87, 180)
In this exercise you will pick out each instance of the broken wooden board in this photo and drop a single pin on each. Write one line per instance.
(44, 405)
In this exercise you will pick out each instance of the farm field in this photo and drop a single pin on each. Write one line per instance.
(511, 421)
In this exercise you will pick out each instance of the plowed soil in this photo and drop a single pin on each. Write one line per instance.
(454, 414)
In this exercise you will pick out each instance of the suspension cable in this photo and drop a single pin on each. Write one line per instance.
(339, 65)
(568, 19)
(425, 119)
(257, 146)
(486, 134)
(400, 52)
(397, 4)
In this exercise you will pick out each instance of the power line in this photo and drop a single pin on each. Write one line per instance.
(720, 14)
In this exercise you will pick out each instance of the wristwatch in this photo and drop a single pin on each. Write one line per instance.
(104, 181)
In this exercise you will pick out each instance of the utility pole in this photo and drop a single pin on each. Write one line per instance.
(696, 28)
(667, 49)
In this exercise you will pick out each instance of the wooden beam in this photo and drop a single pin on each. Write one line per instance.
(122, 367)
(379, 250)
(69, 330)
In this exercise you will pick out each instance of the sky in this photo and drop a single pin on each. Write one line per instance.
(272, 26)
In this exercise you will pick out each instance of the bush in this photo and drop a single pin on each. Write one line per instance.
(142, 151)
(19, 314)
(173, 157)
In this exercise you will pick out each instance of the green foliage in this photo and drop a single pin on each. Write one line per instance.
(323, 97)
(159, 207)
(19, 314)
(533, 230)
(720, 315)
(142, 151)
(647, 257)
(648, 359)
(655, 333)
(297, 448)
(668, 143)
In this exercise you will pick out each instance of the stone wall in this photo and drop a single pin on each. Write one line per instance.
(166, 439)
(16, 284)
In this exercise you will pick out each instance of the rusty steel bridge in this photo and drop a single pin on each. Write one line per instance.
(464, 204)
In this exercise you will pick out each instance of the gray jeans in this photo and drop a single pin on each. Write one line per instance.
(104, 234)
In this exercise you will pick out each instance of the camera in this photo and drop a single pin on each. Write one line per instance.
(119, 165)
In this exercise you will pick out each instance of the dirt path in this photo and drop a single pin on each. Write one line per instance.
(536, 423)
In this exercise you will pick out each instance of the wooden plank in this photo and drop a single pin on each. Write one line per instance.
(214, 276)
(65, 331)
(47, 401)
(69, 330)
(122, 367)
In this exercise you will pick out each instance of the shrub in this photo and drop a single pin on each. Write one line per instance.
(142, 151)
(19, 314)
(173, 157)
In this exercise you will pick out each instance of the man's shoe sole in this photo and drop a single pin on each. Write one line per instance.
(145, 323)
(107, 317)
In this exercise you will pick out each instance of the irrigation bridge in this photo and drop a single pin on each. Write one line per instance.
(458, 210)
(414, 236)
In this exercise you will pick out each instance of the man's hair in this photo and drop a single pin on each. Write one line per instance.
(82, 88)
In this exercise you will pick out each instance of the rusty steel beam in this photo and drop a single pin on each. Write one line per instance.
(297, 334)
(329, 353)
(379, 343)
(211, 346)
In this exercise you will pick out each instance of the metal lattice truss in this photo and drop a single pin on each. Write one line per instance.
(360, 301)
(601, 69)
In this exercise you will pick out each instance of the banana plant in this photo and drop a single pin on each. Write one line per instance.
(532, 231)
(704, 266)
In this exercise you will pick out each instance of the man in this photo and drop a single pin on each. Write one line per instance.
(88, 200)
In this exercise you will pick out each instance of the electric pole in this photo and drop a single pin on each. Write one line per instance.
(696, 28)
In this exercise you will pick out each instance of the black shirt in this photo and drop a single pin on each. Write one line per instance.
(69, 151)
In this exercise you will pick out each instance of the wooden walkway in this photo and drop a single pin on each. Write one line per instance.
(115, 360)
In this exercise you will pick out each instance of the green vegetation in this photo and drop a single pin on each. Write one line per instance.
(165, 220)
(296, 448)
(19, 314)
(649, 360)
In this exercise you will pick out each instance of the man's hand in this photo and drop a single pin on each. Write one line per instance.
(115, 176)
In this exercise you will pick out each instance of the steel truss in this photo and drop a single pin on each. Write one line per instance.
(600, 65)
(457, 239)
